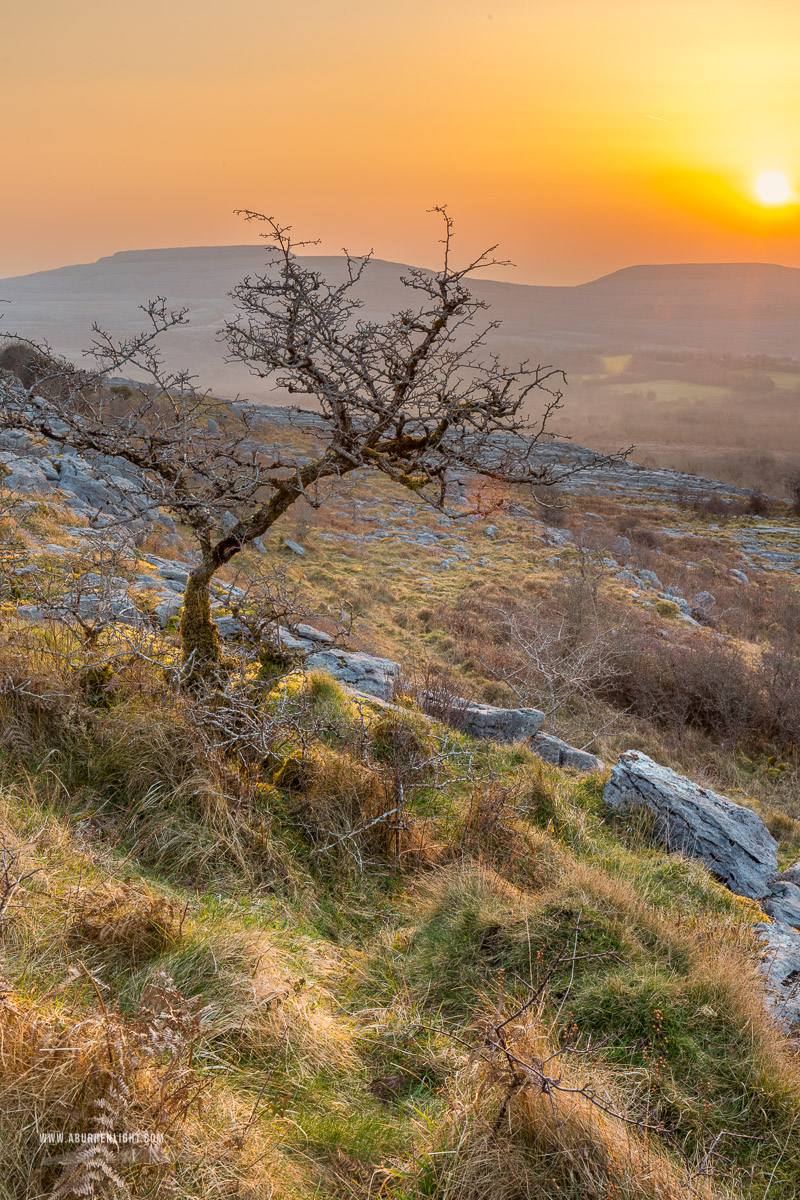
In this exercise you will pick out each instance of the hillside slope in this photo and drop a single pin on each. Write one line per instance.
(279, 938)
(737, 308)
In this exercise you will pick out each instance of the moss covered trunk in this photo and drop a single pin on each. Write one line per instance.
(201, 650)
(199, 638)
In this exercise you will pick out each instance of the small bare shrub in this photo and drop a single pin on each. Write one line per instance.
(793, 484)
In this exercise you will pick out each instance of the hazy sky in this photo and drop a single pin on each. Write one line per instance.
(584, 135)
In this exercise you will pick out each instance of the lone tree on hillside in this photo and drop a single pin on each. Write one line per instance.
(415, 396)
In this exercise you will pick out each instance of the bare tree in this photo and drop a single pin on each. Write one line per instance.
(415, 397)
(557, 654)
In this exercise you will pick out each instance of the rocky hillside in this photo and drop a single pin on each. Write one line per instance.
(475, 877)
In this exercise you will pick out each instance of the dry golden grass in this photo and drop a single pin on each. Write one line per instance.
(97, 1075)
(257, 1003)
(320, 1011)
(512, 1135)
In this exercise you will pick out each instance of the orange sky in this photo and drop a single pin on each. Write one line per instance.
(131, 125)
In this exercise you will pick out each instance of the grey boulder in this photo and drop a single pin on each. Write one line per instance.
(649, 577)
(558, 537)
(561, 754)
(305, 639)
(780, 965)
(791, 874)
(484, 720)
(373, 676)
(783, 903)
(228, 626)
(734, 842)
(168, 608)
(315, 635)
(25, 475)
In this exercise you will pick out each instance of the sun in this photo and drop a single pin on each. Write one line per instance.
(773, 188)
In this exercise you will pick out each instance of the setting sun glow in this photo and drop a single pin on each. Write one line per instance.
(677, 143)
(773, 188)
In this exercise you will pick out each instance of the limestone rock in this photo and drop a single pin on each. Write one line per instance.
(783, 903)
(650, 578)
(168, 608)
(484, 720)
(295, 547)
(297, 645)
(561, 754)
(227, 522)
(77, 476)
(734, 842)
(621, 548)
(228, 627)
(305, 639)
(558, 537)
(16, 440)
(781, 967)
(374, 676)
(683, 605)
(25, 475)
(314, 635)
(791, 874)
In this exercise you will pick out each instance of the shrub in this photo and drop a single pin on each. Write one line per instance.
(712, 686)
(793, 484)
(758, 504)
(667, 609)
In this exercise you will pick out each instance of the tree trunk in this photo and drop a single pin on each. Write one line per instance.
(199, 638)
(201, 650)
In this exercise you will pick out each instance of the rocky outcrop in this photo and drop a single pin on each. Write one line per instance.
(780, 965)
(372, 676)
(737, 847)
(734, 842)
(561, 754)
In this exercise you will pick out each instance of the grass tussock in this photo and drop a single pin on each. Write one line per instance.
(256, 1004)
(516, 1134)
(92, 1082)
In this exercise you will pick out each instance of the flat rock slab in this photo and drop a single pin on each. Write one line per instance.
(561, 754)
(780, 965)
(375, 676)
(734, 842)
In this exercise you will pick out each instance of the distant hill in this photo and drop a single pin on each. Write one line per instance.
(737, 308)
